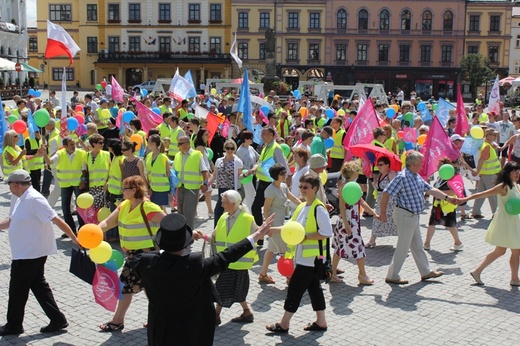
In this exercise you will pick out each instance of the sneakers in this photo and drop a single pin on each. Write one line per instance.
(432, 275)
(457, 247)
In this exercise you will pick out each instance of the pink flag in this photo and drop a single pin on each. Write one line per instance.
(457, 185)
(88, 215)
(117, 91)
(225, 128)
(436, 146)
(149, 119)
(106, 288)
(360, 131)
(462, 119)
(410, 135)
(263, 117)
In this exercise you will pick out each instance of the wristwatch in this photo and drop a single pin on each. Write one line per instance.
(446, 198)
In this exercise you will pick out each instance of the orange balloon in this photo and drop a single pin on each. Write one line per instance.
(304, 112)
(137, 139)
(421, 139)
(90, 236)
(395, 107)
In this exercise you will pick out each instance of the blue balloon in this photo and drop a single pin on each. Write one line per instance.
(390, 113)
(421, 106)
(128, 116)
(37, 93)
(114, 111)
(156, 110)
(32, 92)
(297, 94)
(329, 143)
(329, 113)
(408, 146)
(400, 117)
(144, 92)
(265, 110)
(72, 124)
(371, 156)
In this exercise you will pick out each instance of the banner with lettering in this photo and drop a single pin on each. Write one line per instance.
(457, 185)
(437, 146)
(361, 129)
(106, 288)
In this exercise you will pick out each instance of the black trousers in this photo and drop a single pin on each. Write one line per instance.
(304, 279)
(258, 203)
(36, 177)
(28, 274)
(335, 165)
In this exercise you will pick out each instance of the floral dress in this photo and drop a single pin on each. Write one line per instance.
(388, 228)
(349, 246)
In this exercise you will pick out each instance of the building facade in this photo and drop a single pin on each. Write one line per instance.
(514, 46)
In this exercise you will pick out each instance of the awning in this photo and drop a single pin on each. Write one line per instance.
(29, 68)
(6, 65)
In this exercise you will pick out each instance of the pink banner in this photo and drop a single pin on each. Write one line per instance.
(88, 215)
(117, 91)
(462, 119)
(437, 146)
(149, 119)
(360, 131)
(457, 185)
(410, 135)
(106, 288)
(225, 128)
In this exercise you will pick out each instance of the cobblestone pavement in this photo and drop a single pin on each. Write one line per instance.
(449, 310)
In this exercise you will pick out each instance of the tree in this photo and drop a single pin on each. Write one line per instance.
(475, 70)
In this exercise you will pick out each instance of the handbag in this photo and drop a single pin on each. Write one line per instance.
(323, 269)
(82, 266)
(148, 227)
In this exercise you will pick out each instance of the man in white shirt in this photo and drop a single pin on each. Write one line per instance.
(32, 239)
(400, 96)
(506, 130)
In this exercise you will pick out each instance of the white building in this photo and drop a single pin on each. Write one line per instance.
(514, 60)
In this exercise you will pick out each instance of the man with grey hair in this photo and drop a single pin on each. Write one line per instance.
(408, 189)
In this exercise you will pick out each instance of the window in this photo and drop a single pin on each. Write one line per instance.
(426, 53)
(292, 51)
(60, 13)
(113, 13)
(341, 19)
(261, 53)
(517, 41)
(446, 53)
(383, 52)
(243, 51)
(294, 20)
(474, 23)
(193, 44)
(384, 20)
(134, 43)
(362, 50)
(134, 13)
(92, 12)
(314, 51)
(265, 20)
(341, 52)
(57, 73)
(165, 44)
(363, 20)
(406, 19)
(494, 23)
(473, 49)
(92, 46)
(427, 21)
(113, 43)
(447, 22)
(215, 44)
(517, 67)
(165, 13)
(215, 13)
(33, 44)
(193, 13)
(493, 54)
(314, 21)
(404, 53)
(243, 20)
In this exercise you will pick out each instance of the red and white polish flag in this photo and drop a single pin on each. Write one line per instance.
(59, 43)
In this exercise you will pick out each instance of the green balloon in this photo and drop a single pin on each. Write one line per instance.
(99, 87)
(351, 193)
(434, 107)
(401, 145)
(210, 153)
(118, 258)
(41, 117)
(513, 206)
(321, 122)
(247, 179)
(408, 116)
(446, 172)
(190, 115)
(12, 118)
(286, 149)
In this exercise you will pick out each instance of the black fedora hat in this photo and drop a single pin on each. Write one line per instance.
(173, 234)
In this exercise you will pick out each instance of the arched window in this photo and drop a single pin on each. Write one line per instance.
(384, 20)
(406, 20)
(427, 20)
(363, 19)
(447, 23)
(341, 19)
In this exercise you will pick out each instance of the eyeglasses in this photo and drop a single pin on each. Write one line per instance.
(127, 188)
(304, 187)
(230, 148)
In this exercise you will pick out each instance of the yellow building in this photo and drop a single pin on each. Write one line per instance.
(136, 41)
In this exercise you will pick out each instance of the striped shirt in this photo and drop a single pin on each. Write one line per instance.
(409, 189)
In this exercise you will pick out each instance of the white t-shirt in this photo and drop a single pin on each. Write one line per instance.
(295, 183)
(324, 228)
(31, 234)
(505, 130)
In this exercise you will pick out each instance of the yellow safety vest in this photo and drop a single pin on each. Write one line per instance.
(189, 174)
(285, 128)
(143, 135)
(389, 144)
(159, 179)
(491, 165)
(192, 140)
(165, 109)
(267, 153)
(69, 173)
(115, 175)
(182, 114)
(338, 151)
(133, 233)
(164, 130)
(376, 143)
(310, 248)
(174, 149)
(99, 170)
(7, 167)
(240, 230)
(35, 163)
(54, 133)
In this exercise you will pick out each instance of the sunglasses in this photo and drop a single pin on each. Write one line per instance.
(304, 187)
(179, 144)
(230, 148)
(127, 188)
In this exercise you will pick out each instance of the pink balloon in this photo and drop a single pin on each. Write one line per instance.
(81, 130)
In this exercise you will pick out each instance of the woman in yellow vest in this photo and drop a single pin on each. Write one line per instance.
(137, 128)
(132, 217)
(13, 156)
(233, 283)
(315, 218)
(34, 159)
(96, 170)
(158, 172)
(115, 190)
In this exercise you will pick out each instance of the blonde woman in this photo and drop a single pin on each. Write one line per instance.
(13, 156)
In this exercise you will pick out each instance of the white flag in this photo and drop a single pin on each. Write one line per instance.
(180, 87)
(494, 98)
(234, 52)
(201, 113)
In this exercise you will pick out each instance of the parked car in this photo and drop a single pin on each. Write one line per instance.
(146, 85)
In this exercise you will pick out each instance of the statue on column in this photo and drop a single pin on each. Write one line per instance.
(270, 59)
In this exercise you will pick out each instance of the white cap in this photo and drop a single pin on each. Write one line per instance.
(456, 137)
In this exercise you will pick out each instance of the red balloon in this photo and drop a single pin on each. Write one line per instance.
(292, 169)
(400, 134)
(19, 126)
(80, 118)
(285, 266)
(78, 108)
(104, 84)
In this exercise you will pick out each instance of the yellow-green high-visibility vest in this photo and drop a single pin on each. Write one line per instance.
(189, 174)
(338, 151)
(158, 175)
(99, 170)
(6, 166)
(133, 233)
(310, 248)
(174, 149)
(34, 163)
(267, 153)
(69, 172)
(115, 176)
(491, 165)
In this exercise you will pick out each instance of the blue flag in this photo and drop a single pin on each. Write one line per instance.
(426, 115)
(443, 111)
(471, 145)
(3, 126)
(31, 125)
(189, 78)
(244, 102)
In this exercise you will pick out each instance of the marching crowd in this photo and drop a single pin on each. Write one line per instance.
(281, 169)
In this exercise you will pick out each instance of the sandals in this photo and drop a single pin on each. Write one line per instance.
(314, 327)
(465, 217)
(265, 279)
(365, 280)
(111, 327)
(370, 245)
(276, 328)
(477, 216)
(335, 280)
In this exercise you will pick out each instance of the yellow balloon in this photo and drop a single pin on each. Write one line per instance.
(101, 253)
(106, 113)
(323, 177)
(103, 213)
(85, 200)
(341, 112)
(213, 91)
(476, 132)
(292, 233)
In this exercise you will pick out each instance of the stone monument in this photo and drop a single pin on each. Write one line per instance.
(270, 60)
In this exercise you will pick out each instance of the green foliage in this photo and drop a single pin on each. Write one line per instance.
(475, 70)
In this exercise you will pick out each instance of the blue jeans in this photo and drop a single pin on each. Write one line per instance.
(47, 181)
(66, 198)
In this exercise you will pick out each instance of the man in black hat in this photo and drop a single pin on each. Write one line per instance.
(179, 287)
